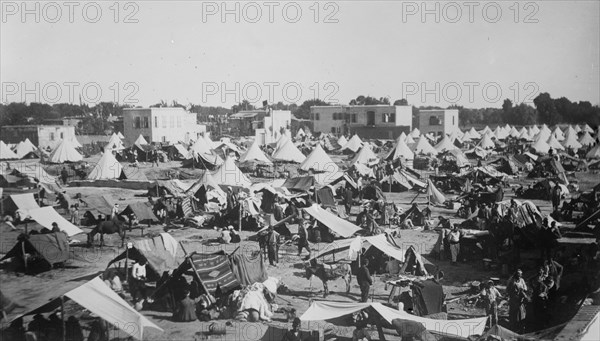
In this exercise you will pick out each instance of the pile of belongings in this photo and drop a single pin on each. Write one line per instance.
(253, 303)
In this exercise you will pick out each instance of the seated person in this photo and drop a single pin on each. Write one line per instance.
(185, 310)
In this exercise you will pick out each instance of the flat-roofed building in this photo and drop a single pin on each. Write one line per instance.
(40, 135)
(167, 125)
(438, 121)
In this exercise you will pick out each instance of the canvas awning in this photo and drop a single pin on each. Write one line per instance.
(45, 216)
(336, 224)
(327, 310)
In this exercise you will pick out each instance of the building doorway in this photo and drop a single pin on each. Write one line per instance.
(370, 118)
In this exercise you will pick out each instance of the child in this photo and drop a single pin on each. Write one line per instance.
(75, 214)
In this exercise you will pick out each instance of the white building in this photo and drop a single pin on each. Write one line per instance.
(161, 125)
(275, 125)
(438, 121)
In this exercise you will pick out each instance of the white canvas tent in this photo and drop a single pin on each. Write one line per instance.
(342, 140)
(6, 153)
(319, 161)
(400, 150)
(106, 168)
(46, 215)
(445, 144)
(288, 152)
(255, 154)
(65, 152)
(228, 174)
(354, 144)
(24, 148)
(586, 139)
(553, 142)
(434, 196)
(570, 141)
(338, 225)
(423, 146)
(119, 135)
(415, 133)
(115, 143)
(365, 156)
(140, 141)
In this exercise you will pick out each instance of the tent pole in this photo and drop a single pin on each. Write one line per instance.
(126, 261)
(183, 248)
(24, 254)
(62, 317)
(240, 218)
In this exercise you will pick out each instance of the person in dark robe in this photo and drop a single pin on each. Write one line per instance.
(185, 310)
(516, 290)
(64, 175)
(556, 197)
(294, 333)
(363, 277)
(15, 331)
(348, 197)
(99, 330)
(231, 199)
(73, 331)
(39, 326)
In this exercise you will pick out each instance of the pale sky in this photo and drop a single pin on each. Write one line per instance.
(182, 50)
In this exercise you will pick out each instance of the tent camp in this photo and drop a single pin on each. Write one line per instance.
(39, 252)
(160, 252)
(353, 145)
(6, 153)
(288, 152)
(319, 161)
(445, 144)
(336, 224)
(228, 174)
(255, 154)
(107, 168)
(65, 152)
(327, 310)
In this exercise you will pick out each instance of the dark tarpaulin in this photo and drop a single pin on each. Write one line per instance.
(153, 250)
(247, 269)
(303, 183)
(52, 247)
(428, 297)
(325, 197)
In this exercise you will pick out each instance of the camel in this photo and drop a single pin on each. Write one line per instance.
(107, 227)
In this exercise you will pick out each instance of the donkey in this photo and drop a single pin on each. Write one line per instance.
(107, 227)
(329, 273)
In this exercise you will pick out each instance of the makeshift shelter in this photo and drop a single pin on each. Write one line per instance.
(254, 154)
(207, 182)
(319, 161)
(424, 147)
(160, 252)
(327, 310)
(143, 211)
(32, 171)
(434, 196)
(39, 252)
(228, 174)
(400, 150)
(22, 202)
(45, 216)
(365, 156)
(288, 152)
(401, 181)
(248, 269)
(210, 272)
(141, 141)
(428, 297)
(64, 152)
(506, 165)
(416, 265)
(6, 153)
(353, 145)
(107, 168)
(93, 206)
(336, 224)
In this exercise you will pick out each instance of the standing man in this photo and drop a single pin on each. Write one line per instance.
(454, 237)
(348, 199)
(272, 238)
(64, 175)
(556, 196)
(490, 297)
(516, 290)
(303, 240)
(138, 275)
(363, 277)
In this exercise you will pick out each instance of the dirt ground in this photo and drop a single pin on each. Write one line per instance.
(32, 291)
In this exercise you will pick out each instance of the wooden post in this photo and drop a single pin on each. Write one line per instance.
(126, 261)
(62, 316)
(240, 217)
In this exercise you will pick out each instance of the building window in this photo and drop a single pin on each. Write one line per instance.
(453, 120)
(51, 136)
(434, 121)
(155, 121)
(317, 116)
(146, 123)
(384, 118)
(138, 123)
(62, 135)
(354, 120)
(164, 139)
(393, 117)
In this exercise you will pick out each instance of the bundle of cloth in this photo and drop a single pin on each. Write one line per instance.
(254, 303)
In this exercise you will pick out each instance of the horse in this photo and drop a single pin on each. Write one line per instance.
(330, 272)
(107, 227)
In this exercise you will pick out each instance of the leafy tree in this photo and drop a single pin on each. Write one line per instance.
(402, 101)
(303, 111)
